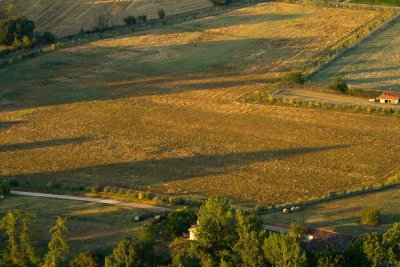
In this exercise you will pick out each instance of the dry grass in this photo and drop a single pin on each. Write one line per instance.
(344, 215)
(64, 17)
(91, 226)
(157, 110)
(374, 64)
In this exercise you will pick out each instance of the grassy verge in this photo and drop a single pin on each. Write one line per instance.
(378, 2)
(342, 215)
(92, 227)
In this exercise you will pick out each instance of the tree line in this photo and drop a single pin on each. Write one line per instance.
(19, 32)
(224, 238)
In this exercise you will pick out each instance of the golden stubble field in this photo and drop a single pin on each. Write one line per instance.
(157, 110)
(374, 64)
(64, 17)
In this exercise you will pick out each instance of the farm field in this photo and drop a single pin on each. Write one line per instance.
(91, 226)
(343, 215)
(373, 64)
(65, 17)
(157, 111)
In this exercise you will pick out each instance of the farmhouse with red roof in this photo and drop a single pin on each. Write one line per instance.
(390, 97)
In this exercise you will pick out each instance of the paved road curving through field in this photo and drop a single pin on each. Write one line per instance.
(96, 200)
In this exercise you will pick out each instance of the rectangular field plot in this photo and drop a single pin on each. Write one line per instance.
(374, 64)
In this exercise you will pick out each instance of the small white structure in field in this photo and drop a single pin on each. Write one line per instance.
(157, 217)
(308, 238)
(137, 218)
(193, 232)
(285, 211)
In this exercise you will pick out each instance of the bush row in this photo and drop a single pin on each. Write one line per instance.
(329, 106)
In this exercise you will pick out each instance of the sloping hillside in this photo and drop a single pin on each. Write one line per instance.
(64, 17)
(156, 110)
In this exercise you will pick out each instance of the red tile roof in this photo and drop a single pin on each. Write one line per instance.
(390, 95)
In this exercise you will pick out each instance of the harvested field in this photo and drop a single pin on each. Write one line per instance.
(65, 17)
(92, 227)
(343, 215)
(157, 111)
(374, 64)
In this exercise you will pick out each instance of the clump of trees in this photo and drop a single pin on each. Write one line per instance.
(225, 238)
(19, 249)
(370, 216)
(338, 84)
(294, 78)
(161, 13)
(19, 32)
(220, 2)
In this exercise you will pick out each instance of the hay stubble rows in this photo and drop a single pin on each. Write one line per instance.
(158, 111)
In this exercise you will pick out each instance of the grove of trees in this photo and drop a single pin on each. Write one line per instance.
(225, 238)
(19, 32)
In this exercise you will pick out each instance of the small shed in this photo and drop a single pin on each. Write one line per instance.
(390, 97)
(193, 232)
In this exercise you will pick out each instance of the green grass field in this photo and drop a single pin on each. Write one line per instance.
(374, 64)
(157, 111)
(65, 17)
(343, 215)
(92, 227)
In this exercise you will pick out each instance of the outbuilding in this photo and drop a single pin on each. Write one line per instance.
(193, 232)
(390, 97)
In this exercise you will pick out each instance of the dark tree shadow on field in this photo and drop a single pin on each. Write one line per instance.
(42, 144)
(148, 172)
(7, 124)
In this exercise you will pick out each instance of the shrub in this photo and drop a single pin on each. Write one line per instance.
(293, 78)
(130, 20)
(161, 13)
(5, 188)
(177, 222)
(83, 260)
(370, 216)
(46, 38)
(220, 2)
(142, 18)
(297, 229)
(141, 195)
(338, 84)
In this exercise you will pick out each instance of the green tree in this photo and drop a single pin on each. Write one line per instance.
(374, 249)
(84, 259)
(146, 249)
(338, 84)
(184, 253)
(176, 223)
(161, 13)
(391, 242)
(331, 257)
(19, 251)
(370, 216)
(125, 254)
(294, 78)
(130, 20)
(354, 255)
(220, 2)
(58, 245)
(284, 250)
(216, 227)
(248, 248)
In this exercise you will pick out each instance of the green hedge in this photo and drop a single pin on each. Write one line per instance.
(378, 2)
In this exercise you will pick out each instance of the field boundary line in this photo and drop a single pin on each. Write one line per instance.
(95, 200)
